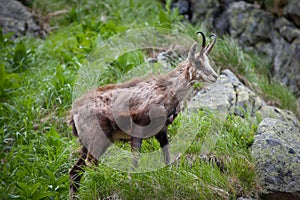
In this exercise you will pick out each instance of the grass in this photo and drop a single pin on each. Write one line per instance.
(36, 85)
(191, 176)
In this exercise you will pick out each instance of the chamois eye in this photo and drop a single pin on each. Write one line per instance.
(198, 63)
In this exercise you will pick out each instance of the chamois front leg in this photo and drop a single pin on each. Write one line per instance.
(76, 173)
(163, 140)
(136, 144)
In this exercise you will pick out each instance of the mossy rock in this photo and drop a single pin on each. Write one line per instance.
(276, 150)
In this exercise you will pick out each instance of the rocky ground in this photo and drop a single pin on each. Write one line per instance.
(276, 146)
(277, 141)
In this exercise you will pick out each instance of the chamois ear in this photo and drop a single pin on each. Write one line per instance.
(192, 53)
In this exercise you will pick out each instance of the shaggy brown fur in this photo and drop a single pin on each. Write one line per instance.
(134, 110)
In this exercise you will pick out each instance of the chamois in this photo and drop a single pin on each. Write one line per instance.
(137, 109)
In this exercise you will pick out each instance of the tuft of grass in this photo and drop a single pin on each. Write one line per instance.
(278, 95)
(228, 54)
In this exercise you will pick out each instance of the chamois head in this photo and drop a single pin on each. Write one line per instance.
(200, 68)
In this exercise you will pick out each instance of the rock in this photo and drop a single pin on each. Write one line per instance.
(275, 6)
(184, 8)
(227, 95)
(292, 10)
(286, 64)
(204, 11)
(14, 17)
(272, 112)
(286, 29)
(221, 23)
(26, 2)
(276, 151)
(250, 24)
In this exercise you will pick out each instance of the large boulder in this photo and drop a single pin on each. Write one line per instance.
(228, 96)
(16, 18)
(267, 111)
(276, 151)
(292, 10)
(249, 24)
(204, 11)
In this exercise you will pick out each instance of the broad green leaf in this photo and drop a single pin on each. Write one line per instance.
(42, 195)
(2, 78)
(34, 188)
(12, 81)
(20, 52)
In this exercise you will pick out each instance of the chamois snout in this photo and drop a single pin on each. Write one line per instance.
(212, 77)
(208, 73)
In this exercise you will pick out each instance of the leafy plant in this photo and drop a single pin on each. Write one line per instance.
(8, 81)
(34, 192)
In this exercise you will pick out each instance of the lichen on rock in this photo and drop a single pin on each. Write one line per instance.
(276, 151)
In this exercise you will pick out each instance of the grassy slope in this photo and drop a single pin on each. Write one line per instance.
(36, 95)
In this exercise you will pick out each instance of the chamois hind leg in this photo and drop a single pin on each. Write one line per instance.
(136, 144)
(163, 140)
(76, 173)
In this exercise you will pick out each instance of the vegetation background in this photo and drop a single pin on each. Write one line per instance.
(36, 80)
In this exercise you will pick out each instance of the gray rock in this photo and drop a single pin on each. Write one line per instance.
(258, 30)
(250, 24)
(292, 10)
(298, 108)
(286, 64)
(286, 29)
(14, 17)
(26, 2)
(184, 8)
(227, 95)
(204, 11)
(272, 112)
(276, 151)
